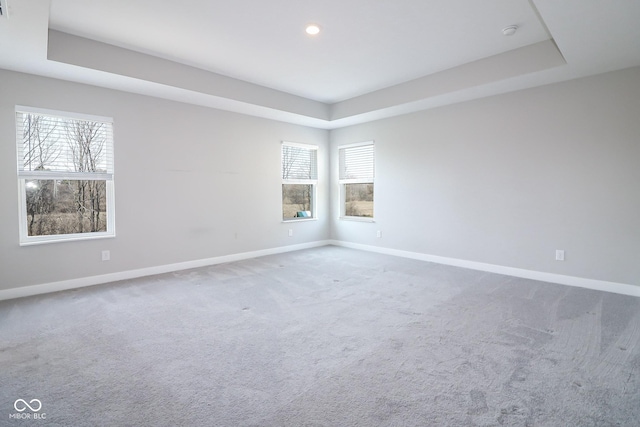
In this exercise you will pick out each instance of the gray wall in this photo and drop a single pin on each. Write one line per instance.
(509, 179)
(191, 183)
(503, 180)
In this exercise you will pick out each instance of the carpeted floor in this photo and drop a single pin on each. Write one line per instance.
(322, 337)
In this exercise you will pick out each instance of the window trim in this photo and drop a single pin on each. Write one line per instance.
(22, 176)
(343, 181)
(312, 182)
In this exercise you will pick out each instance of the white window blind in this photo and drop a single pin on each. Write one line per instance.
(357, 163)
(51, 146)
(299, 162)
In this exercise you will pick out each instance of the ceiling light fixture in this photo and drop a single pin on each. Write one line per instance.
(510, 30)
(312, 29)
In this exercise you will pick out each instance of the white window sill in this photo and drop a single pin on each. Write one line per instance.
(357, 219)
(66, 238)
(299, 220)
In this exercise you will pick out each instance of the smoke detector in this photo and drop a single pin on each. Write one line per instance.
(510, 30)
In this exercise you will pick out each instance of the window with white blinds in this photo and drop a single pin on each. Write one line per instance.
(65, 173)
(299, 169)
(357, 163)
(299, 162)
(356, 177)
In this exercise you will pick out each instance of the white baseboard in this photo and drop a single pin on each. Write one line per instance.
(598, 285)
(150, 271)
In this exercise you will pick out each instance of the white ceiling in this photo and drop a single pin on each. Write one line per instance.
(364, 45)
(372, 59)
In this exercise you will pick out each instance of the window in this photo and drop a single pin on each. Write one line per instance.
(65, 175)
(357, 171)
(299, 179)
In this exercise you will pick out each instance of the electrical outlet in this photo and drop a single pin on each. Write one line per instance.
(106, 255)
(379, 233)
(559, 255)
(290, 232)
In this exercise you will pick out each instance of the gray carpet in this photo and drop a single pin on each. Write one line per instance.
(323, 337)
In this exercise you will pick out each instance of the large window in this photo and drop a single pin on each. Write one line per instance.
(357, 172)
(65, 174)
(299, 179)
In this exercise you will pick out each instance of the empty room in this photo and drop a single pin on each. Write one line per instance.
(333, 213)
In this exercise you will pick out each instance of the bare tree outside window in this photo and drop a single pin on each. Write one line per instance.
(356, 175)
(86, 144)
(358, 200)
(296, 198)
(65, 171)
(299, 176)
(40, 150)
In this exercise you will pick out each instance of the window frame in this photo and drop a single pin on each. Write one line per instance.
(342, 182)
(311, 181)
(24, 176)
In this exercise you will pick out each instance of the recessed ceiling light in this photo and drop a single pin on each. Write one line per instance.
(312, 29)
